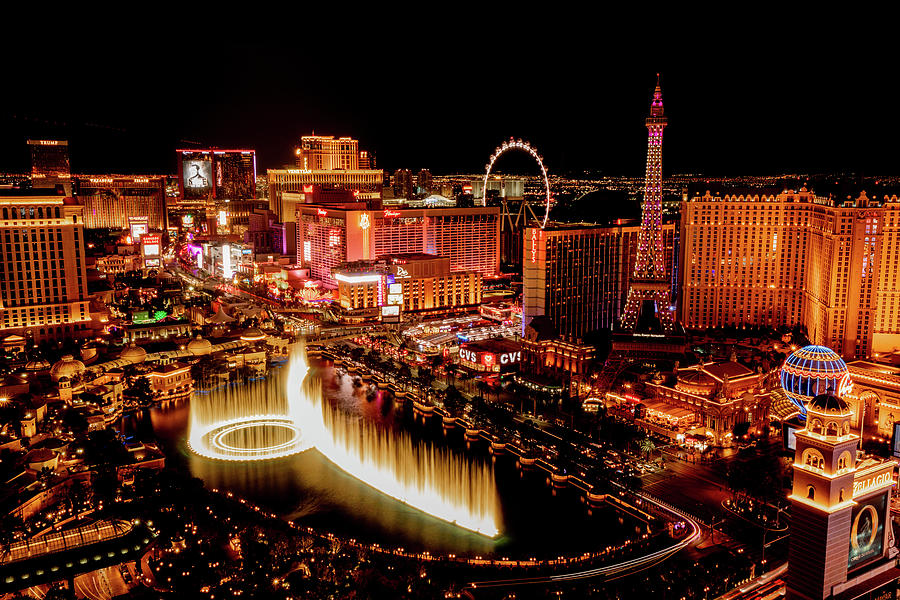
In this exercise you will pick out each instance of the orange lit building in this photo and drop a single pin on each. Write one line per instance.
(329, 170)
(787, 258)
(43, 282)
(171, 381)
(841, 542)
(414, 282)
(716, 397)
(325, 153)
(577, 275)
(50, 165)
(329, 236)
(109, 200)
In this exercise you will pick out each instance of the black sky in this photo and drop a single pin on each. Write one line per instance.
(441, 95)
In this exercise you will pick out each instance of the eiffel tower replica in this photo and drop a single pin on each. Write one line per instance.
(648, 328)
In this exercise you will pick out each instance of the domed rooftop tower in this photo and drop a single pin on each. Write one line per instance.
(828, 415)
(67, 367)
(134, 353)
(199, 346)
(812, 371)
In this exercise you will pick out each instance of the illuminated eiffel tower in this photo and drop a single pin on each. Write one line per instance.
(649, 284)
(649, 297)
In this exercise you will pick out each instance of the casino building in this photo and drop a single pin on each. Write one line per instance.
(577, 274)
(217, 174)
(841, 542)
(420, 283)
(111, 200)
(43, 278)
(329, 236)
(782, 257)
(872, 390)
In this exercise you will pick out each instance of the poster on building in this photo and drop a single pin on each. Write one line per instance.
(197, 176)
(867, 530)
(895, 441)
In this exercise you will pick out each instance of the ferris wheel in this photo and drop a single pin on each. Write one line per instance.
(514, 144)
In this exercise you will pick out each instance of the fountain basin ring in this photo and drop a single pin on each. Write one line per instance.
(261, 437)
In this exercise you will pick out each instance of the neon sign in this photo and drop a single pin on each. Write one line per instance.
(364, 221)
(878, 480)
(321, 212)
(392, 213)
(845, 386)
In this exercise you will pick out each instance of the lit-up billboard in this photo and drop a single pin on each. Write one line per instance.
(197, 177)
(390, 314)
(895, 441)
(138, 226)
(867, 530)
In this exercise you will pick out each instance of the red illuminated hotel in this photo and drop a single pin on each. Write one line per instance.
(329, 236)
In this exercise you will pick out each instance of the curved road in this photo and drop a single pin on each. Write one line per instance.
(621, 568)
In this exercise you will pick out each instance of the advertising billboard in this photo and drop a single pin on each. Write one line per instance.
(789, 435)
(867, 530)
(197, 177)
(895, 441)
(390, 314)
(150, 245)
(138, 226)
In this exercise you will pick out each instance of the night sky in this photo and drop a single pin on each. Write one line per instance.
(771, 101)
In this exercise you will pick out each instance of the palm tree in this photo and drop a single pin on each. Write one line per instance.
(482, 387)
(646, 445)
(10, 525)
(451, 373)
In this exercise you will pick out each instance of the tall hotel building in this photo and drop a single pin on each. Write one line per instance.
(325, 153)
(111, 200)
(217, 174)
(50, 164)
(329, 236)
(43, 283)
(577, 275)
(788, 258)
(329, 170)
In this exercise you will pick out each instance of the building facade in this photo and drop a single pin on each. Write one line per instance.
(110, 200)
(789, 258)
(578, 275)
(414, 282)
(43, 281)
(50, 164)
(840, 544)
(289, 188)
(216, 174)
(325, 153)
(329, 236)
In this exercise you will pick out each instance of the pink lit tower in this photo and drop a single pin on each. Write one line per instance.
(649, 283)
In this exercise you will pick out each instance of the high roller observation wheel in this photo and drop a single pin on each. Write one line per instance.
(514, 144)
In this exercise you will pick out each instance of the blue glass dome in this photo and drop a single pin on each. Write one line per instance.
(810, 372)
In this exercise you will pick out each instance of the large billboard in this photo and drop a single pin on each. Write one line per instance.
(197, 178)
(867, 530)
(895, 441)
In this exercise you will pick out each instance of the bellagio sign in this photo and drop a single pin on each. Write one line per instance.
(871, 481)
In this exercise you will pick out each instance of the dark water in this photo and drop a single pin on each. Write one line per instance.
(536, 520)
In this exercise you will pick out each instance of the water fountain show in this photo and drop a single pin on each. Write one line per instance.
(285, 414)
